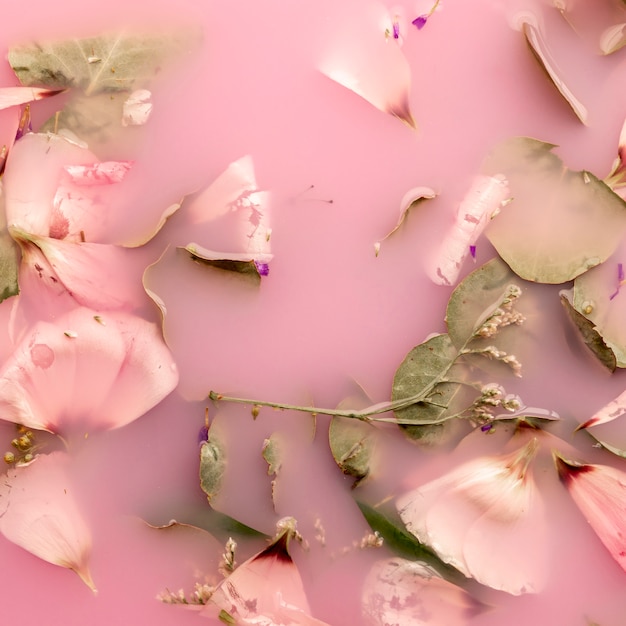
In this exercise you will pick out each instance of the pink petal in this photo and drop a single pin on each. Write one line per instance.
(137, 108)
(599, 491)
(482, 202)
(86, 371)
(362, 58)
(94, 275)
(102, 173)
(481, 518)
(39, 513)
(13, 96)
(397, 591)
(267, 589)
(609, 412)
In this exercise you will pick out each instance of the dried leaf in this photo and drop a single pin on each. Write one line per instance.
(542, 53)
(272, 452)
(352, 444)
(582, 221)
(590, 335)
(9, 258)
(213, 462)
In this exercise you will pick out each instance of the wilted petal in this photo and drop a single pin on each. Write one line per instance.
(363, 56)
(483, 201)
(137, 108)
(266, 590)
(38, 512)
(86, 371)
(409, 593)
(13, 96)
(485, 518)
(599, 491)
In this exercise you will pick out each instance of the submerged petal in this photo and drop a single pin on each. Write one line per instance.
(599, 491)
(100, 372)
(266, 590)
(483, 516)
(13, 96)
(38, 512)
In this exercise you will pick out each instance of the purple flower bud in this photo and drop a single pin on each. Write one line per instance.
(473, 252)
(620, 272)
(396, 29)
(262, 268)
(420, 21)
(486, 427)
(203, 434)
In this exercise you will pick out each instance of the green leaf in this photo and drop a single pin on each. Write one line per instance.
(590, 335)
(403, 543)
(561, 222)
(423, 373)
(212, 466)
(9, 261)
(352, 444)
(105, 64)
(599, 298)
(476, 298)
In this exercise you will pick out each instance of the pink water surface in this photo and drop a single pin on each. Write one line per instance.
(330, 313)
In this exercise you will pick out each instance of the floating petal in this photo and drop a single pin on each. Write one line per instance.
(38, 512)
(485, 518)
(100, 372)
(398, 591)
(599, 491)
(13, 96)
(266, 590)
(137, 108)
(363, 57)
(482, 202)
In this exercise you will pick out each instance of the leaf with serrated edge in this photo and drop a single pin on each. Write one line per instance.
(561, 222)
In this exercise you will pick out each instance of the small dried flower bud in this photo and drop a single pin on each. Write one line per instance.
(512, 402)
(255, 411)
(9, 458)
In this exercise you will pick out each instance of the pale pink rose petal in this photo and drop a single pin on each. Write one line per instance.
(94, 275)
(599, 491)
(102, 173)
(485, 198)
(13, 96)
(39, 513)
(235, 195)
(398, 591)
(483, 516)
(266, 590)
(609, 412)
(363, 55)
(86, 371)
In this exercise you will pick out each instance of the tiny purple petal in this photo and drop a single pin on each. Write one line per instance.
(262, 268)
(620, 272)
(486, 427)
(614, 294)
(420, 21)
(473, 252)
(203, 434)
(396, 29)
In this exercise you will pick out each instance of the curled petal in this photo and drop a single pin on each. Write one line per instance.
(86, 371)
(485, 518)
(483, 201)
(39, 513)
(599, 491)
(367, 59)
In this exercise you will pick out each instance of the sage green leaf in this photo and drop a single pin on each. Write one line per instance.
(424, 373)
(401, 542)
(476, 298)
(9, 261)
(560, 223)
(105, 64)
(212, 465)
(599, 296)
(590, 335)
(246, 265)
(352, 444)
